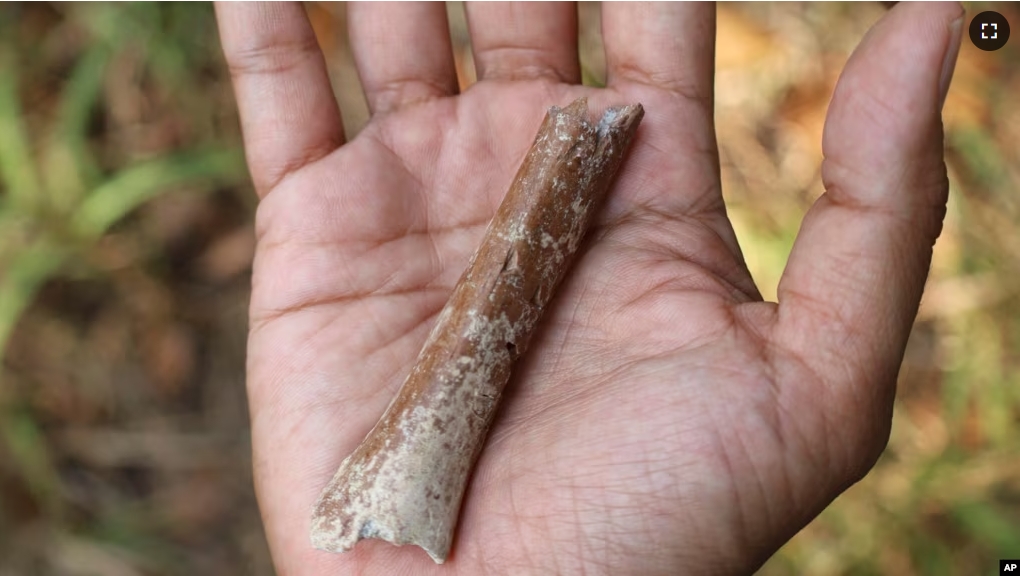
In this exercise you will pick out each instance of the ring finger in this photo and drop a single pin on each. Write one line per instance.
(402, 51)
(525, 40)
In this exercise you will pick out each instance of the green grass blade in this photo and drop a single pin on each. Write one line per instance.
(135, 185)
(989, 525)
(17, 169)
(30, 452)
(70, 166)
(20, 281)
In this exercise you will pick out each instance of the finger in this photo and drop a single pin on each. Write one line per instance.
(662, 54)
(524, 40)
(668, 45)
(853, 283)
(288, 113)
(402, 51)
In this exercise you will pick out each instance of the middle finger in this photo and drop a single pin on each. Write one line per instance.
(525, 40)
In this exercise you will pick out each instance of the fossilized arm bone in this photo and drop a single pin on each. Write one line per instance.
(404, 483)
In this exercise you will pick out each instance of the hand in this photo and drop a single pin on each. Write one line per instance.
(666, 420)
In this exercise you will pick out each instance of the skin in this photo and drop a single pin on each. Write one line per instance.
(666, 420)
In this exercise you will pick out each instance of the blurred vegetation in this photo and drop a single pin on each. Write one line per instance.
(125, 248)
(125, 241)
(945, 497)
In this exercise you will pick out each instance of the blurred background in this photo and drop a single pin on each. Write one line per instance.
(126, 242)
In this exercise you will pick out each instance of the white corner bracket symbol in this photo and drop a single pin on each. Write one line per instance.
(984, 26)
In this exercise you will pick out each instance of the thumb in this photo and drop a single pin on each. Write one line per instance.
(851, 288)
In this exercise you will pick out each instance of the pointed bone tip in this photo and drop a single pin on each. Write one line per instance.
(620, 119)
(328, 537)
(437, 557)
(329, 543)
(622, 115)
(577, 108)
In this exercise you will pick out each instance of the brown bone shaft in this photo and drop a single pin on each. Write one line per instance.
(404, 483)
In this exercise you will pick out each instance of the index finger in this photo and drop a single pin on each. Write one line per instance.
(666, 45)
(289, 115)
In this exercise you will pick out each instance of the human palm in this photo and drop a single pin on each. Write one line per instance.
(665, 420)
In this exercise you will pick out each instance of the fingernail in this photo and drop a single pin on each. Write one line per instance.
(949, 61)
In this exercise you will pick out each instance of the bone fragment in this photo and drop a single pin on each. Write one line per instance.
(404, 483)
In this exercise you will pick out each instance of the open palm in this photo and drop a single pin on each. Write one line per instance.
(665, 420)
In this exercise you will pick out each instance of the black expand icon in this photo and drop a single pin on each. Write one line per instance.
(989, 31)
